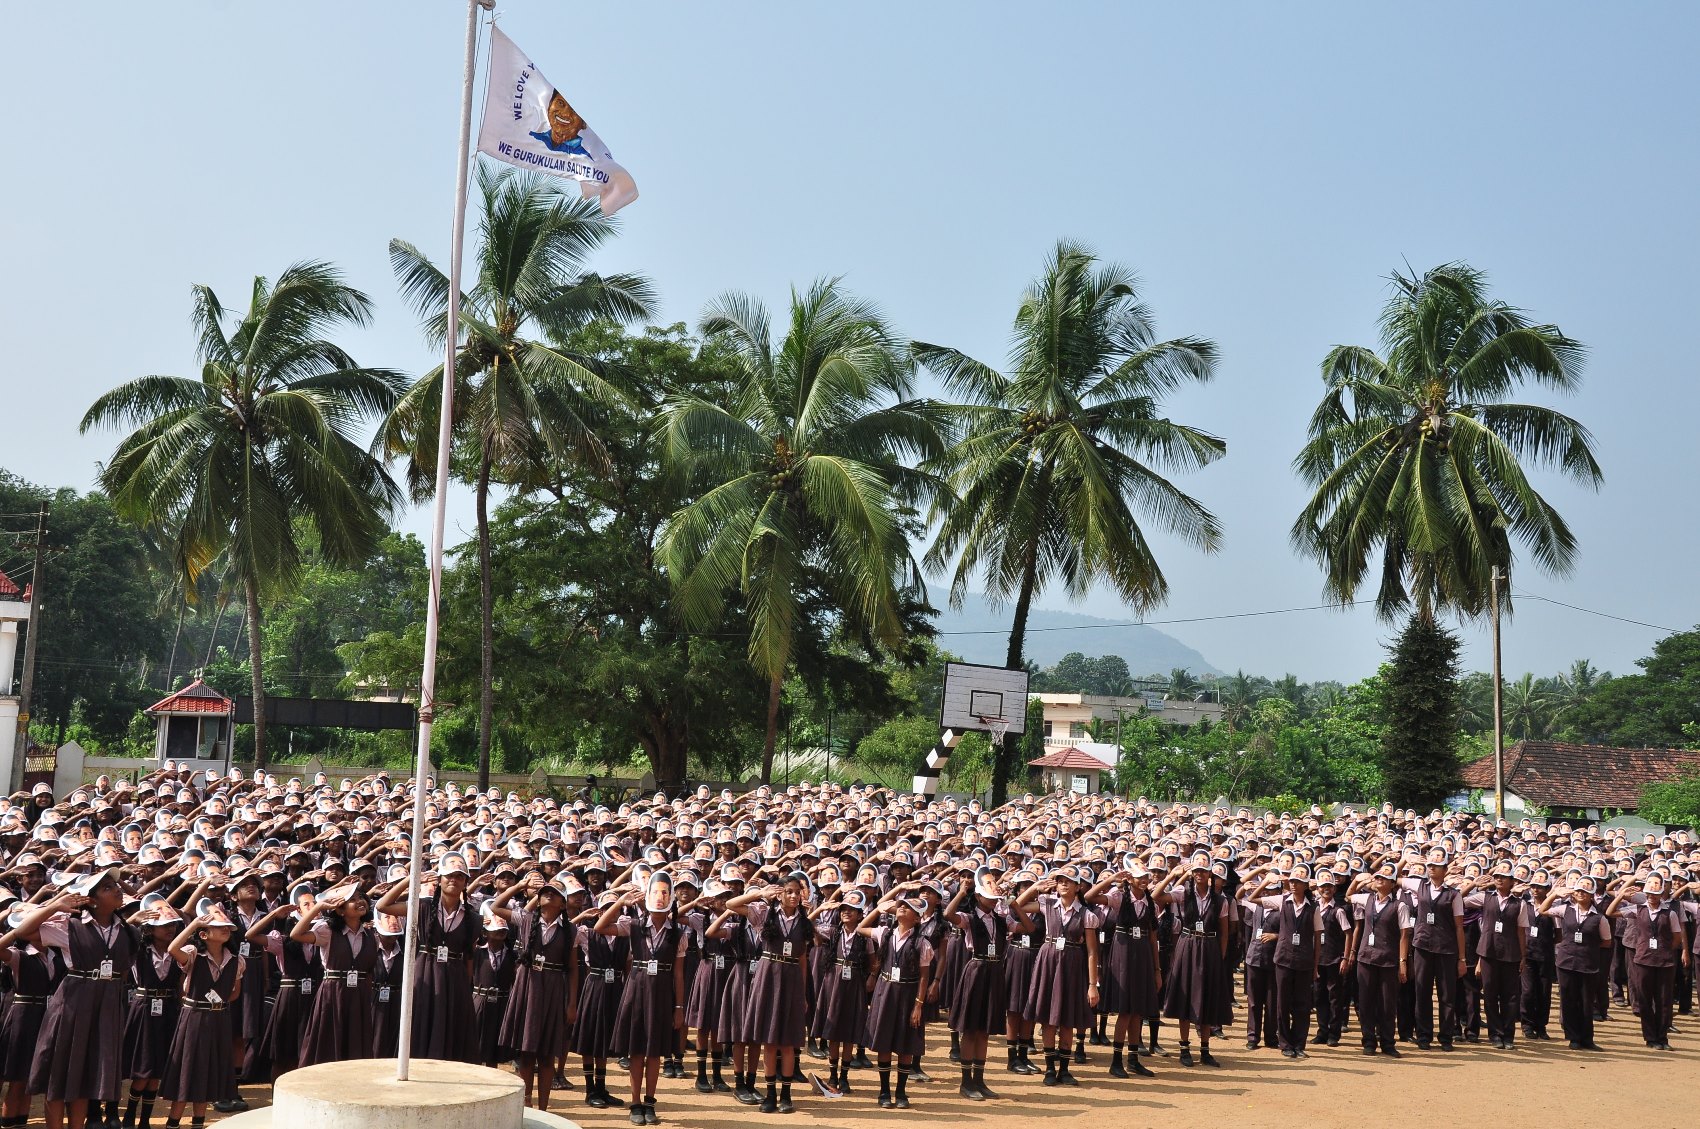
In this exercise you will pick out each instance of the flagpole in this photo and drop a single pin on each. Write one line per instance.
(433, 607)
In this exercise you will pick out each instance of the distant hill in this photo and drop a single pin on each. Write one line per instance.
(1146, 649)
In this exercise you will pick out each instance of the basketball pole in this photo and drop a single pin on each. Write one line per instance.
(433, 606)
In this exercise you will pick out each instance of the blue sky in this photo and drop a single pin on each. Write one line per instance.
(1263, 168)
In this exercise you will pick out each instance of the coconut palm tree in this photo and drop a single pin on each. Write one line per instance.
(1572, 689)
(1061, 456)
(1417, 456)
(520, 397)
(265, 437)
(1526, 708)
(802, 480)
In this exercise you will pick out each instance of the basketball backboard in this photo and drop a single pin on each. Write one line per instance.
(973, 693)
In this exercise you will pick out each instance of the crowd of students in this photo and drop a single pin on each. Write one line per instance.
(170, 939)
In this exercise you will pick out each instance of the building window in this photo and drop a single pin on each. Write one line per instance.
(1077, 729)
(1047, 729)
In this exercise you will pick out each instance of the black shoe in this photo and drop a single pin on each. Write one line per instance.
(649, 1117)
(594, 1099)
(1300, 1053)
(969, 1092)
(719, 1086)
(624, 1062)
(919, 1075)
(1117, 1070)
(1251, 1044)
(1207, 1058)
(225, 1106)
(1027, 1066)
(816, 1050)
(704, 1086)
(1391, 1052)
(1333, 1040)
(770, 1105)
(1050, 1078)
(1287, 1052)
(1080, 1058)
(1445, 1046)
(786, 1105)
(985, 1094)
(861, 1061)
(1591, 1047)
(1139, 1068)
(1186, 1056)
(1423, 1045)
(901, 1101)
(1369, 1050)
(747, 1095)
(885, 1101)
(637, 1115)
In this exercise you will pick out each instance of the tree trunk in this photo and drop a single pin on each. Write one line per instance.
(1003, 760)
(176, 637)
(218, 621)
(772, 728)
(486, 627)
(254, 667)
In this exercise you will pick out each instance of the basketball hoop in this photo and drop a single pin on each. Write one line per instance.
(998, 727)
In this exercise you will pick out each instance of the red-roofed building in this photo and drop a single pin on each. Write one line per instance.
(14, 611)
(193, 723)
(1069, 770)
(1579, 781)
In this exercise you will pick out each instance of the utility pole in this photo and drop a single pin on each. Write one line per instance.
(26, 685)
(1498, 704)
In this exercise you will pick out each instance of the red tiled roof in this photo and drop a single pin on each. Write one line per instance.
(197, 697)
(8, 589)
(1069, 758)
(1554, 774)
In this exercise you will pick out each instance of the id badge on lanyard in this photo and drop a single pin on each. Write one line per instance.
(1578, 937)
(1499, 927)
(652, 968)
(1060, 941)
(1137, 932)
(992, 948)
(106, 969)
(384, 994)
(306, 987)
(156, 1006)
(242, 950)
(1298, 939)
(1652, 942)
(719, 962)
(352, 978)
(785, 949)
(1430, 916)
(844, 972)
(607, 975)
(442, 954)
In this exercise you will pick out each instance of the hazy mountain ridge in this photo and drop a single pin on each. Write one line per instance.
(1146, 649)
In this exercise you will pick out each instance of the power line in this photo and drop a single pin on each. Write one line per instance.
(1591, 611)
(1157, 622)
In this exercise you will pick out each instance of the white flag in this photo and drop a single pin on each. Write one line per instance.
(529, 123)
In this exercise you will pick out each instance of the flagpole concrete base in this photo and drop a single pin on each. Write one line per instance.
(364, 1094)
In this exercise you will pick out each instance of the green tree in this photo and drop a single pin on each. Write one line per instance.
(1182, 685)
(1525, 708)
(226, 463)
(1572, 689)
(1419, 744)
(520, 395)
(1652, 709)
(1061, 456)
(1672, 801)
(803, 478)
(1417, 455)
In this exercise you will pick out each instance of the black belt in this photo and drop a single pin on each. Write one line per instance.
(544, 966)
(660, 967)
(490, 993)
(294, 983)
(603, 972)
(432, 954)
(904, 980)
(30, 1001)
(152, 994)
(845, 963)
(1128, 931)
(95, 976)
(1189, 931)
(202, 1005)
(777, 959)
(988, 960)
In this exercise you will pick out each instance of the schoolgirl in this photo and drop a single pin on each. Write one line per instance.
(686, 888)
(841, 1002)
(155, 1000)
(1064, 987)
(339, 1022)
(702, 1003)
(200, 1068)
(979, 1005)
(78, 1057)
(1197, 978)
(36, 971)
(1132, 978)
(1018, 977)
(543, 1002)
(652, 1006)
(604, 960)
(903, 961)
(443, 1021)
(386, 986)
(247, 891)
(774, 1012)
(299, 969)
(492, 988)
(732, 1028)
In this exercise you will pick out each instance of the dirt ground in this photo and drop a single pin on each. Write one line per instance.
(1542, 1082)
